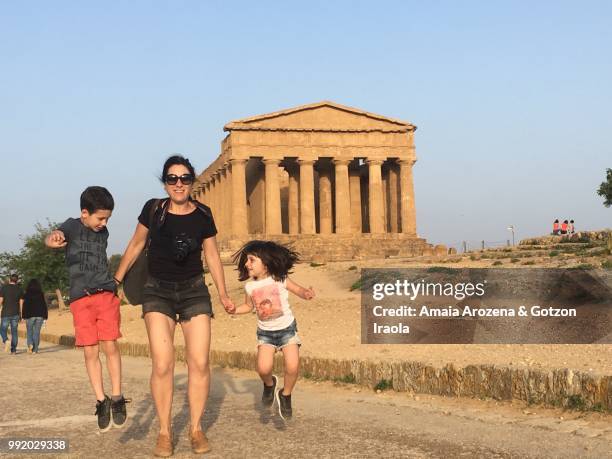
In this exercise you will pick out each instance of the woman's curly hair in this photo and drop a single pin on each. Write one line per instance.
(277, 258)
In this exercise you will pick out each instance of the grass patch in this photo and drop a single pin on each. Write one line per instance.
(352, 268)
(346, 379)
(497, 263)
(514, 260)
(576, 402)
(606, 264)
(528, 263)
(357, 285)
(316, 265)
(553, 253)
(384, 384)
(474, 257)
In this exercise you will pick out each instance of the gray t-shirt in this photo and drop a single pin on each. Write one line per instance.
(11, 294)
(86, 258)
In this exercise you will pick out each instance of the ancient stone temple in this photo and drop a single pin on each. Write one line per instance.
(335, 181)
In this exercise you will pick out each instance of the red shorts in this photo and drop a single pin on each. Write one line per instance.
(96, 318)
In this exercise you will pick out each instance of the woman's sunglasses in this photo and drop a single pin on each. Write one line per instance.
(186, 179)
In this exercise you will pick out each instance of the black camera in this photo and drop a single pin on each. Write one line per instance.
(183, 246)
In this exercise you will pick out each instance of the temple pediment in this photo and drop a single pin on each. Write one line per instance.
(321, 116)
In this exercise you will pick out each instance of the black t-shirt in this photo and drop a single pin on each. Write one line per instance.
(175, 251)
(86, 258)
(34, 305)
(11, 294)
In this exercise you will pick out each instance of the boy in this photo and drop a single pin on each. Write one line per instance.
(93, 303)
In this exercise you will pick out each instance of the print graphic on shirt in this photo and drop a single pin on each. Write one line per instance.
(267, 302)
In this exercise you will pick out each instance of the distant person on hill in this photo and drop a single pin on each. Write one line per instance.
(35, 313)
(570, 227)
(267, 264)
(564, 227)
(11, 300)
(556, 227)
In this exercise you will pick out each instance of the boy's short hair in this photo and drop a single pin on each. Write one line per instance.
(96, 198)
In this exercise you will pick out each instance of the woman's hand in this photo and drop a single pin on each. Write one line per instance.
(228, 304)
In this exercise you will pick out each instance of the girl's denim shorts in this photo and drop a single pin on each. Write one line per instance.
(279, 338)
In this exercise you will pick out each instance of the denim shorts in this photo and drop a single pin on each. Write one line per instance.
(185, 299)
(279, 338)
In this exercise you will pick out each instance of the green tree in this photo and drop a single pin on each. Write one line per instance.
(605, 189)
(36, 260)
(113, 263)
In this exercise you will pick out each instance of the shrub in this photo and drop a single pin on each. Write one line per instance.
(384, 384)
(497, 263)
(553, 253)
(352, 268)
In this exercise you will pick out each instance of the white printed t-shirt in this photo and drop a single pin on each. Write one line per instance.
(271, 301)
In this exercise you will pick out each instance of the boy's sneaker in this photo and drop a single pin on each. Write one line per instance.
(267, 397)
(118, 411)
(284, 404)
(103, 411)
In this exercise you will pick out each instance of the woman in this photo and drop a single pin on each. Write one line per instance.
(176, 229)
(34, 312)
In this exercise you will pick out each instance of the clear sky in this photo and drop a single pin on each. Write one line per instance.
(513, 100)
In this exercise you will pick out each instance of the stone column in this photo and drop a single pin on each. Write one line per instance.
(392, 195)
(293, 204)
(343, 197)
(307, 214)
(375, 191)
(216, 210)
(325, 198)
(226, 203)
(407, 209)
(240, 228)
(207, 193)
(273, 205)
(355, 191)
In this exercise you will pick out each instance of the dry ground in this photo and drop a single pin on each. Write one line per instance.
(330, 324)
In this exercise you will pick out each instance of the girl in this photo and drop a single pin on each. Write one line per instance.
(35, 313)
(267, 264)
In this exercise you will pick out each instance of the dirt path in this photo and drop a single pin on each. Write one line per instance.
(330, 420)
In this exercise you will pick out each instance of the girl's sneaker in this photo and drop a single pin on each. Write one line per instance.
(267, 397)
(103, 411)
(284, 404)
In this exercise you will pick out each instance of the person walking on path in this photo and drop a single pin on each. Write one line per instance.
(11, 300)
(174, 231)
(267, 265)
(93, 302)
(34, 312)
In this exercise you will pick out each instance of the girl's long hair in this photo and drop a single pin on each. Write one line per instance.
(277, 258)
(33, 287)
